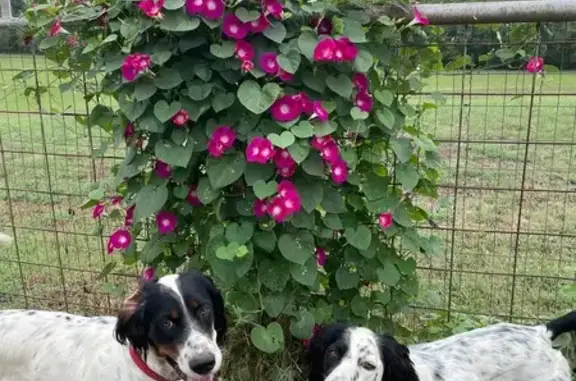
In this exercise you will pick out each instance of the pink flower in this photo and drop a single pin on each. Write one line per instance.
(339, 171)
(116, 200)
(129, 219)
(284, 75)
(291, 201)
(259, 150)
(345, 50)
(166, 222)
(119, 240)
(385, 220)
(161, 169)
(215, 148)
(148, 274)
(55, 28)
(151, 8)
(259, 208)
(268, 63)
(72, 41)
(233, 27)
(286, 109)
(419, 18)
(192, 196)
(323, 26)
(364, 102)
(223, 138)
(330, 152)
(259, 25)
(318, 142)
(213, 9)
(276, 209)
(319, 111)
(535, 65)
(305, 102)
(247, 66)
(325, 50)
(361, 82)
(180, 118)
(286, 172)
(274, 8)
(244, 51)
(128, 131)
(285, 187)
(320, 256)
(283, 159)
(194, 7)
(98, 210)
(135, 64)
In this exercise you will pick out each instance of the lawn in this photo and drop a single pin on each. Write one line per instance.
(47, 166)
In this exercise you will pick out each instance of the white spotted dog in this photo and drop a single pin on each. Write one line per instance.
(501, 352)
(166, 331)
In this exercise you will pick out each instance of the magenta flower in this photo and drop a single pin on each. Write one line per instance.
(274, 8)
(305, 102)
(286, 109)
(277, 210)
(166, 222)
(323, 26)
(259, 25)
(194, 7)
(319, 111)
(283, 159)
(286, 172)
(419, 18)
(284, 75)
(129, 219)
(320, 256)
(233, 27)
(222, 139)
(535, 65)
(119, 240)
(318, 142)
(128, 131)
(244, 51)
(285, 187)
(247, 66)
(55, 28)
(385, 220)
(151, 8)
(215, 148)
(325, 50)
(361, 82)
(291, 201)
(364, 102)
(98, 210)
(268, 63)
(339, 171)
(161, 169)
(72, 41)
(180, 118)
(192, 196)
(116, 200)
(259, 150)
(135, 64)
(148, 274)
(213, 9)
(345, 50)
(330, 152)
(259, 208)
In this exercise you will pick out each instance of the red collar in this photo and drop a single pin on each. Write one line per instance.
(139, 362)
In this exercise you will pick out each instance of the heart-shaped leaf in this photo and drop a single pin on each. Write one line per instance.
(346, 280)
(341, 85)
(199, 91)
(132, 110)
(178, 21)
(225, 170)
(164, 111)
(239, 233)
(246, 16)
(284, 140)
(297, 247)
(222, 101)
(273, 274)
(303, 325)
(224, 50)
(144, 89)
(273, 304)
(256, 99)
(305, 274)
(303, 130)
(384, 96)
(174, 155)
(269, 339)
(275, 32)
(289, 62)
(360, 237)
(231, 251)
(149, 200)
(263, 189)
(299, 151)
(167, 79)
(358, 114)
(388, 274)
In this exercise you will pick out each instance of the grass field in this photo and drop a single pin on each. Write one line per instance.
(46, 165)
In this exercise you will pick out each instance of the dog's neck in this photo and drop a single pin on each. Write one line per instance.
(159, 365)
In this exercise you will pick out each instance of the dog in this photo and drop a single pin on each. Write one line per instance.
(168, 330)
(501, 352)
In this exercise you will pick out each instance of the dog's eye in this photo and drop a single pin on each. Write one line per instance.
(203, 311)
(367, 365)
(167, 324)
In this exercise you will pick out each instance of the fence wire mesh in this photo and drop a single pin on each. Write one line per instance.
(506, 211)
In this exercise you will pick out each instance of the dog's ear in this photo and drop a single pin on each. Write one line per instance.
(130, 326)
(396, 359)
(220, 324)
(315, 355)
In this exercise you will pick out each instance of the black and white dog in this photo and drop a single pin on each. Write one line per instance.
(501, 352)
(168, 330)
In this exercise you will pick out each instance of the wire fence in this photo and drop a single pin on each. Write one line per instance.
(506, 211)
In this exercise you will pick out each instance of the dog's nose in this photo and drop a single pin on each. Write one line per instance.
(203, 363)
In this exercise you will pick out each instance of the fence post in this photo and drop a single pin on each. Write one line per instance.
(5, 9)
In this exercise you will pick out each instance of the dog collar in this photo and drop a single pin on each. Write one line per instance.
(139, 362)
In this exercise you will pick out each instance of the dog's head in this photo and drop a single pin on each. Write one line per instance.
(180, 318)
(340, 352)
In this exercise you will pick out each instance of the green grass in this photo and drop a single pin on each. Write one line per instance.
(483, 259)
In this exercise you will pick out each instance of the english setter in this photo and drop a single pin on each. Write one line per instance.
(168, 330)
(501, 352)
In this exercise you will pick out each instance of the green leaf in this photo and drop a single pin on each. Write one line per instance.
(231, 251)
(374, 186)
(265, 240)
(402, 148)
(188, 42)
(172, 5)
(222, 101)
(132, 110)
(311, 193)
(363, 61)
(359, 238)
(341, 85)
(144, 89)
(106, 270)
(297, 247)
(289, 62)
(49, 42)
(153, 248)
(225, 170)
(324, 128)
(179, 21)
(358, 306)
(269, 339)
(246, 16)
(161, 54)
(358, 114)
(206, 193)
(273, 304)
(353, 30)
(284, 140)
(314, 165)
(171, 154)
(388, 274)
(407, 175)
(256, 99)
(150, 200)
(275, 32)
(263, 189)
(239, 233)
(302, 326)
(224, 50)
(256, 171)
(299, 151)
(385, 97)
(199, 91)
(386, 117)
(164, 111)
(303, 130)
(333, 202)
(167, 79)
(273, 274)
(307, 42)
(345, 280)
(305, 274)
